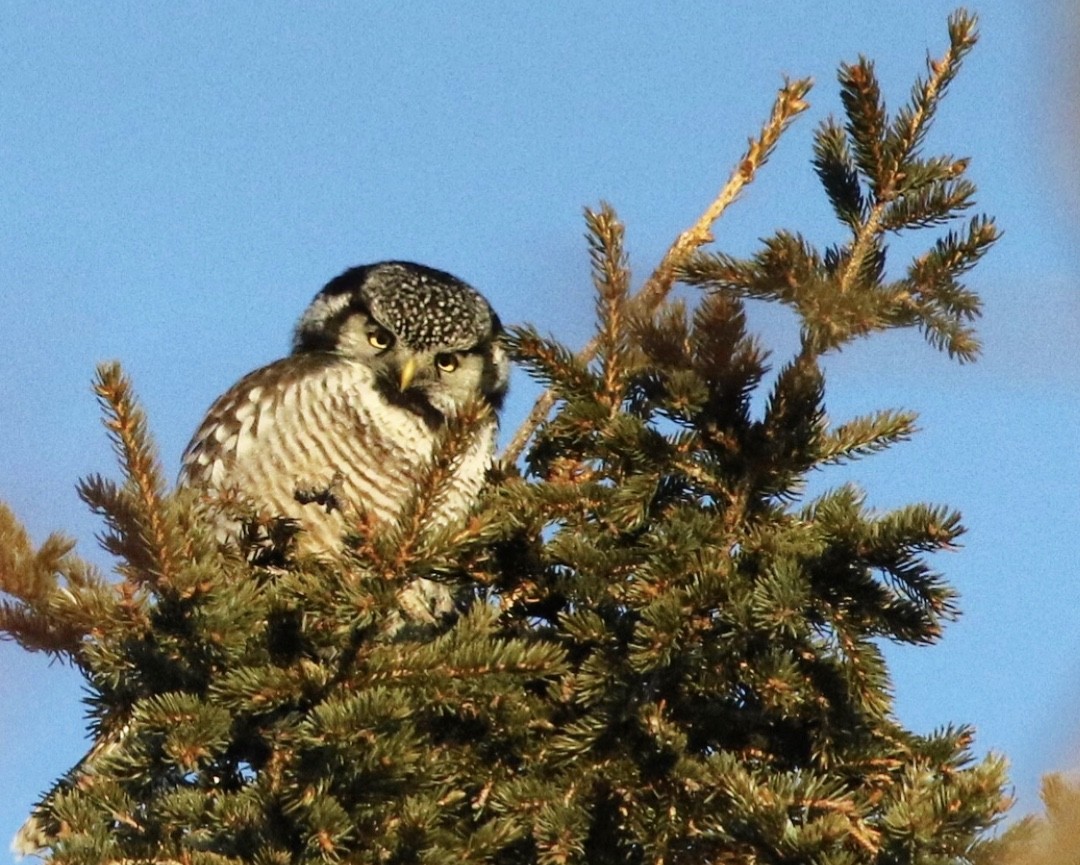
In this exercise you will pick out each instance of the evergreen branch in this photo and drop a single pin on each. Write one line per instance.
(680, 395)
(928, 206)
(866, 435)
(841, 295)
(945, 332)
(866, 124)
(23, 574)
(922, 172)
(431, 488)
(261, 689)
(912, 122)
(931, 278)
(854, 651)
(865, 248)
(787, 268)
(932, 296)
(912, 601)
(884, 154)
(611, 278)
(550, 362)
(469, 651)
(33, 579)
(865, 837)
(143, 519)
(726, 356)
(789, 103)
(664, 337)
(791, 431)
(38, 633)
(559, 498)
(919, 527)
(838, 173)
(120, 510)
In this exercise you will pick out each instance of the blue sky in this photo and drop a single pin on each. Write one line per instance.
(179, 179)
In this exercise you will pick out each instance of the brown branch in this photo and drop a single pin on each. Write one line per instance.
(866, 837)
(127, 425)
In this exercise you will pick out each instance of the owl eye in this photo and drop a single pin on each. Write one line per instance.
(446, 362)
(380, 339)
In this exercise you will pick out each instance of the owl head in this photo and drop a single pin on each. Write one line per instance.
(431, 340)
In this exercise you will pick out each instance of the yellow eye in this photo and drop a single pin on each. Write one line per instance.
(446, 362)
(380, 339)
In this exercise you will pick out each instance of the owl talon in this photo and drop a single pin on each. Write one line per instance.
(325, 496)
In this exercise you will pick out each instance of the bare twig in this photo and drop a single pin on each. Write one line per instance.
(789, 104)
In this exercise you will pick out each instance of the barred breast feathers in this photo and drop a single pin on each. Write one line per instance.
(317, 422)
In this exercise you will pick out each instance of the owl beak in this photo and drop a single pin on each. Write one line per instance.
(408, 371)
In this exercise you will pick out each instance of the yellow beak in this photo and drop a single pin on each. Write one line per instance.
(408, 370)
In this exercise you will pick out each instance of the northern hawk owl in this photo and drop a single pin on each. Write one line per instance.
(381, 358)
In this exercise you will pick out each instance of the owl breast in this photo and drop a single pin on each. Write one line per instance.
(312, 439)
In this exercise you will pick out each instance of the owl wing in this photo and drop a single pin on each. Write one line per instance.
(232, 424)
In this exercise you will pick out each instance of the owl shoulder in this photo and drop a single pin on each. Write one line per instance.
(254, 396)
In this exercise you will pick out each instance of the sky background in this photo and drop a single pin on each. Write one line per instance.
(178, 180)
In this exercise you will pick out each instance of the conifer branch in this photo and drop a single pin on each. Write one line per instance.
(843, 294)
(136, 512)
(611, 278)
(431, 487)
(789, 103)
(866, 435)
(551, 362)
(42, 583)
(885, 152)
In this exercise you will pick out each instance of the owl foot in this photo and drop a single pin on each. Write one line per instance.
(327, 496)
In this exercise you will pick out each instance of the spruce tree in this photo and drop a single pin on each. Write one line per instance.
(666, 651)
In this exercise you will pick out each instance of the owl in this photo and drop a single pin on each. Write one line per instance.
(381, 359)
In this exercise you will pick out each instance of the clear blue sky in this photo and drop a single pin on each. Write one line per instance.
(179, 179)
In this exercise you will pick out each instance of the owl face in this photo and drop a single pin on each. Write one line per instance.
(431, 340)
